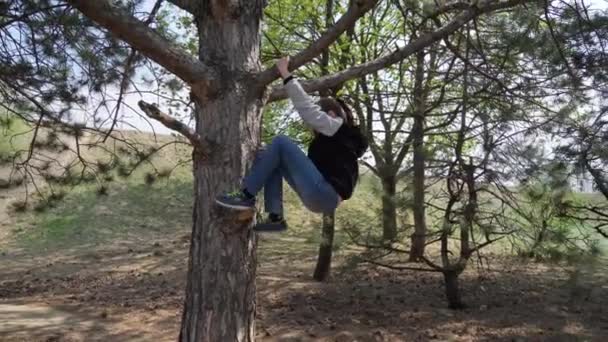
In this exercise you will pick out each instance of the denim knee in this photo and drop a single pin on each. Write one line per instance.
(319, 204)
(281, 140)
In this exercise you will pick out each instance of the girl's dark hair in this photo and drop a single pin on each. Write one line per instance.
(339, 107)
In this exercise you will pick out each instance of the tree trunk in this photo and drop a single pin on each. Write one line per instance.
(418, 239)
(325, 249)
(220, 290)
(389, 208)
(452, 290)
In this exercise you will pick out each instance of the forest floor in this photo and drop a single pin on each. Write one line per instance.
(132, 290)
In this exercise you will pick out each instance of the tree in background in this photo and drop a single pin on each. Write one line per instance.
(493, 103)
(580, 64)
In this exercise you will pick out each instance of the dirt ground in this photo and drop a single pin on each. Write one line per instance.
(133, 291)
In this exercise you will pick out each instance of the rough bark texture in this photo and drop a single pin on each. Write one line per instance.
(325, 249)
(452, 290)
(419, 237)
(389, 208)
(220, 294)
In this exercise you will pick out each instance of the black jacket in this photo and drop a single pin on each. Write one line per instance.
(336, 158)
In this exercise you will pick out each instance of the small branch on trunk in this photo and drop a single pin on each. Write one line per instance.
(371, 167)
(479, 247)
(599, 179)
(422, 42)
(348, 20)
(431, 264)
(154, 113)
(598, 229)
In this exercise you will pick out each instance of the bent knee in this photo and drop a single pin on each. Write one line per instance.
(281, 139)
(319, 206)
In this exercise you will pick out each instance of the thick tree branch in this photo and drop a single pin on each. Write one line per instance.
(422, 42)
(186, 5)
(146, 41)
(348, 20)
(154, 113)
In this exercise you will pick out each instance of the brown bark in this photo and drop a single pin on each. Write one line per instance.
(323, 267)
(220, 293)
(418, 239)
(170, 122)
(389, 207)
(452, 289)
(186, 5)
(600, 181)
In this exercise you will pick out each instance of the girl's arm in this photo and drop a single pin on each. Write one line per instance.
(309, 111)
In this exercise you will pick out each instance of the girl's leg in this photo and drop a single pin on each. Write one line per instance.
(268, 164)
(284, 157)
(299, 171)
(265, 172)
(273, 194)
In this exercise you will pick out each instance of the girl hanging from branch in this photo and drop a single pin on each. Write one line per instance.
(323, 179)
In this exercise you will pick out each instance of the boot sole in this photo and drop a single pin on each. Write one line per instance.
(233, 206)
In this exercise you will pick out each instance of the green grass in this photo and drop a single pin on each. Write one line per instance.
(85, 218)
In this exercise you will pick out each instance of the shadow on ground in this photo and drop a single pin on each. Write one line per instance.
(134, 293)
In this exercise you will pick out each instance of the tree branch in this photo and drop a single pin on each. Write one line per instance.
(401, 268)
(422, 42)
(154, 113)
(128, 71)
(186, 5)
(348, 20)
(146, 41)
(370, 167)
(449, 6)
(486, 244)
(600, 182)
(598, 229)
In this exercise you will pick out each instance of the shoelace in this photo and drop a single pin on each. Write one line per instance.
(235, 193)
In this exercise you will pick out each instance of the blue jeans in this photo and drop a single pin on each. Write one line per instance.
(284, 159)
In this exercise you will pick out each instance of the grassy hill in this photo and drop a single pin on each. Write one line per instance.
(156, 197)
